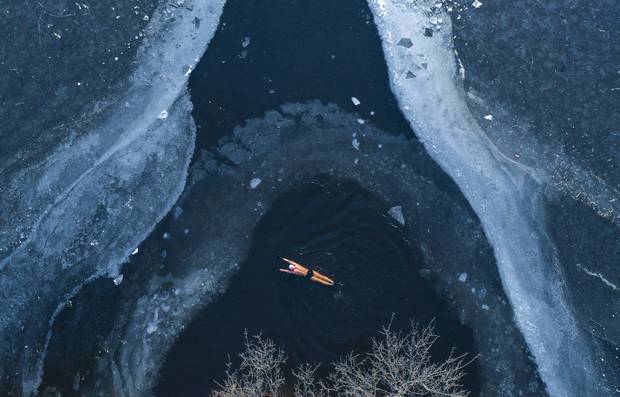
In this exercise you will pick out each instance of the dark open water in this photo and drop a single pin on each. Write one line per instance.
(342, 230)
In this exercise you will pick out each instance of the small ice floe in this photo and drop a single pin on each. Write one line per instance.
(118, 279)
(355, 101)
(163, 115)
(476, 4)
(488, 117)
(425, 273)
(463, 277)
(167, 236)
(178, 211)
(151, 328)
(146, 18)
(134, 251)
(405, 42)
(397, 213)
(361, 121)
(484, 307)
(372, 112)
(246, 42)
(185, 231)
(355, 143)
(255, 182)
(356, 161)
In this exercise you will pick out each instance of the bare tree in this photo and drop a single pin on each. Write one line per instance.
(260, 373)
(398, 365)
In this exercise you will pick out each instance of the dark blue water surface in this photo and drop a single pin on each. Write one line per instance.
(343, 231)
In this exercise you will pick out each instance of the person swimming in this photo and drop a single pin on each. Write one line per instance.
(296, 269)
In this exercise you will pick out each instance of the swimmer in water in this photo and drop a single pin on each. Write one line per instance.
(296, 269)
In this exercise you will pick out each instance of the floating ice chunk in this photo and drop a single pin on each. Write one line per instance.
(246, 42)
(484, 307)
(134, 251)
(463, 277)
(167, 236)
(118, 279)
(361, 121)
(163, 115)
(355, 101)
(356, 144)
(397, 213)
(151, 328)
(476, 4)
(255, 182)
(488, 117)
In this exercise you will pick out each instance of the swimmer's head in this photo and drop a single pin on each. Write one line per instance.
(291, 267)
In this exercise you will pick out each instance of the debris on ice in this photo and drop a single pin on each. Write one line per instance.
(405, 42)
(355, 101)
(163, 115)
(397, 213)
(476, 4)
(255, 182)
(488, 117)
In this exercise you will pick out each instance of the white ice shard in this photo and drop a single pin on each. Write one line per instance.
(397, 213)
(501, 191)
(255, 182)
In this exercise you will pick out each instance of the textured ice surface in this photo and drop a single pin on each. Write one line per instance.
(78, 209)
(286, 148)
(508, 195)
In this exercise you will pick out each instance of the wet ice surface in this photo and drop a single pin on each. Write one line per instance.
(77, 205)
(522, 187)
(526, 128)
